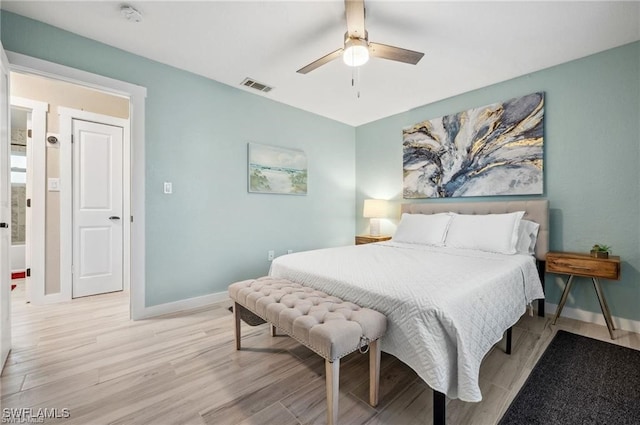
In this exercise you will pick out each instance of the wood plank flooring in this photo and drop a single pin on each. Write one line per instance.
(88, 357)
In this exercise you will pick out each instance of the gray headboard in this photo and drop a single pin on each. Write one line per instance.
(535, 210)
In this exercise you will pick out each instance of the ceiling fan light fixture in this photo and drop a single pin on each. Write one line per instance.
(357, 49)
(356, 52)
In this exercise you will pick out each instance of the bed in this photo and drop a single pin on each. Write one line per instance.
(446, 306)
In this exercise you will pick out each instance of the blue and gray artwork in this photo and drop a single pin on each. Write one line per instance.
(277, 170)
(492, 150)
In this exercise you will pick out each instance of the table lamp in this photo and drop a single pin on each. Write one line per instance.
(375, 209)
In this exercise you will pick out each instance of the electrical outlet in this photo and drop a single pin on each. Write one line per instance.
(289, 251)
(270, 255)
(168, 188)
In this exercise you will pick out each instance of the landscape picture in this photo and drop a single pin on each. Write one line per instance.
(274, 169)
(492, 150)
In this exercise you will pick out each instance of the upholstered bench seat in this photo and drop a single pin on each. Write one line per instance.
(327, 325)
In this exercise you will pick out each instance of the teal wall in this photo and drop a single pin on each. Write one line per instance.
(591, 169)
(210, 231)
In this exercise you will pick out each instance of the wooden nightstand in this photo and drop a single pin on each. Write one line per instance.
(363, 239)
(574, 264)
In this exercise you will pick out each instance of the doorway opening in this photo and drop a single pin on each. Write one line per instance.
(28, 128)
(63, 180)
(135, 183)
(18, 163)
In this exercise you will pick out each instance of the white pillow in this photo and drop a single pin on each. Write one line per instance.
(527, 237)
(425, 229)
(490, 232)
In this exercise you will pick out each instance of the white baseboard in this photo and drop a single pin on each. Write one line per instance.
(591, 317)
(182, 305)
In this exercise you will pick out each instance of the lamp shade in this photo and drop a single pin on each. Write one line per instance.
(374, 208)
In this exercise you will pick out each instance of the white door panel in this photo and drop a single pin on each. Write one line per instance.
(94, 239)
(96, 167)
(97, 211)
(5, 213)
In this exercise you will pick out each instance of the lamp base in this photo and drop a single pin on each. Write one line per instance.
(374, 227)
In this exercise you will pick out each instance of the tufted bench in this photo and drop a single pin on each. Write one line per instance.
(327, 325)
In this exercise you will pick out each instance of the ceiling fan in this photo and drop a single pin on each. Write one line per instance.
(357, 48)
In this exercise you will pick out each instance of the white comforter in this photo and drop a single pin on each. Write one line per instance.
(445, 308)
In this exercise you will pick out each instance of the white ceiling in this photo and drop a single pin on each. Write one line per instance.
(467, 45)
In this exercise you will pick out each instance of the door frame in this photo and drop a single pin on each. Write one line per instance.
(5, 210)
(67, 115)
(37, 163)
(137, 96)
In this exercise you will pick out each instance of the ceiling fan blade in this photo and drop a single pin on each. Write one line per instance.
(394, 53)
(354, 9)
(323, 60)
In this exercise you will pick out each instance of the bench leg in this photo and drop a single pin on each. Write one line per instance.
(236, 319)
(333, 382)
(273, 330)
(374, 372)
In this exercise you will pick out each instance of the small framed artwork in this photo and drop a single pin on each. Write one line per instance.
(274, 169)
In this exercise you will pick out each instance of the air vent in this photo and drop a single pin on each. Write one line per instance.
(248, 82)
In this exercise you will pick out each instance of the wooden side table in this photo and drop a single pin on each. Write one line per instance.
(363, 239)
(574, 264)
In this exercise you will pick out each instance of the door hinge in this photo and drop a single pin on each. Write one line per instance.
(29, 272)
(29, 202)
(132, 219)
(72, 138)
(29, 133)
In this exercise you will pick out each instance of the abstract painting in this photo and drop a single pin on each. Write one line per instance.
(277, 170)
(492, 150)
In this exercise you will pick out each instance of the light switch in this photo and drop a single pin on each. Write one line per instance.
(168, 188)
(53, 184)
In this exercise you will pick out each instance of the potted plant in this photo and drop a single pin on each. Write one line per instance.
(600, 251)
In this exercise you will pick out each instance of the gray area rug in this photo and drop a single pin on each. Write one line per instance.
(580, 380)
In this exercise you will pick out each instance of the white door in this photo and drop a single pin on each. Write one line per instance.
(28, 243)
(97, 208)
(36, 182)
(5, 212)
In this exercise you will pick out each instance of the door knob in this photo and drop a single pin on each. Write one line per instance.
(114, 217)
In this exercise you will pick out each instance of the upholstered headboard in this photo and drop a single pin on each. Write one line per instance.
(535, 210)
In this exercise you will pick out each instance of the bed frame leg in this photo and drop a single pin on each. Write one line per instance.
(439, 408)
(236, 319)
(541, 269)
(509, 332)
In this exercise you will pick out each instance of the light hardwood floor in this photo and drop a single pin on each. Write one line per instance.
(88, 357)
